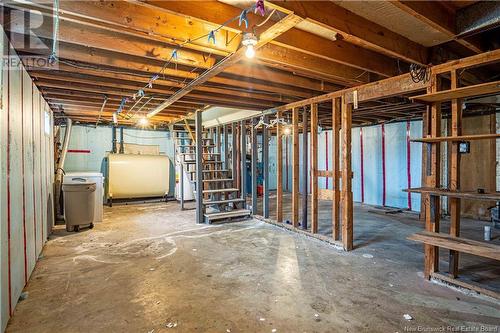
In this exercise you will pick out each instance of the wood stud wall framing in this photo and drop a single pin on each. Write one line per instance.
(341, 115)
(342, 108)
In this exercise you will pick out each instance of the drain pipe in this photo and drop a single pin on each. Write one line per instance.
(114, 139)
(122, 148)
(60, 170)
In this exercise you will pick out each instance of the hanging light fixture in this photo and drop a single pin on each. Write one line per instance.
(249, 40)
(143, 121)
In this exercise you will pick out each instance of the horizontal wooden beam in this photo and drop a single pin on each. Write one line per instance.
(88, 75)
(355, 29)
(295, 39)
(434, 14)
(320, 68)
(140, 21)
(275, 30)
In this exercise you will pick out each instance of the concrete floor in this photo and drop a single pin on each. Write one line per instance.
(148, 267)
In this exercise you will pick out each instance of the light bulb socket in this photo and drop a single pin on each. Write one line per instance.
(249, 38)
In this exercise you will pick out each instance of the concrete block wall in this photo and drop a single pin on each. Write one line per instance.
(89, 146)
(26, 182)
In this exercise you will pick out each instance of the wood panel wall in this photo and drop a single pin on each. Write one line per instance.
(26, 181)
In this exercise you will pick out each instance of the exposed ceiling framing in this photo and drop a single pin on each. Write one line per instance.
(113, 48)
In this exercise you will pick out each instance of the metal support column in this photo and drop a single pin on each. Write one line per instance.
(254, 167)
(243, 154)
(305, 171)
(199, 168)
(265, 168)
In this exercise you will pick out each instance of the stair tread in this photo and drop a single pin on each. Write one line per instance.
(204, 162)
(221, 190)
(195, 153)
(204, 146)
(216, 202)
(232, 213)
(218, 180)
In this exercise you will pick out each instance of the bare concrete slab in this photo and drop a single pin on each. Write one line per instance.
(150, 268)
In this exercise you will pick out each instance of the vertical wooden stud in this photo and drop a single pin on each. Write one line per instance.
(265, 169)
(254, 166)
(199, 168)
(279, 171)
(305, 171)
(336, 106)
(432, 203)
(295, 167)
(456, 130)
(314, 168)
(347, 204)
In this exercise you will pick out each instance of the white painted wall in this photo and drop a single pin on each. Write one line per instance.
(26, 167)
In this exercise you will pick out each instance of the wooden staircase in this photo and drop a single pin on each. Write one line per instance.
(222, 200)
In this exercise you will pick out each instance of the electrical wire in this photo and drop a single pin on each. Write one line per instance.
(419, 73)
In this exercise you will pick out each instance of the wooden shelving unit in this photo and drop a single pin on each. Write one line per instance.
(456, 93)
(457, 138)
(471, 195)
(432, 190)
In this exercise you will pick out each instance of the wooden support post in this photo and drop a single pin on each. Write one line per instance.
(254, 166)
(432, 203)
(279, 171)
(199, 168)
(226, 147)
(305, 171)
(295, 168)
(314, 168)
(456, 130)
(234, 155)
(336, 108)
(265, 168)
(425, 169)
(347, 204)
(217, 139)
(243, 160)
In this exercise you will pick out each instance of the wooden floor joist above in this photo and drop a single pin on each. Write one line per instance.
(314, 54)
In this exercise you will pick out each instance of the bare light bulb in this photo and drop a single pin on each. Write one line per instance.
(250, 52)
(143, 121)
(287, 130)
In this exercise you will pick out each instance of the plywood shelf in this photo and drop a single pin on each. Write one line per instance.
(458, 138)
(463, 92)
(455, 194)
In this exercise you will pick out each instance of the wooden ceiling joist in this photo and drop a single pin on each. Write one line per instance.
(298, 40)
(276, 29)
(439, 17)
(355, 29)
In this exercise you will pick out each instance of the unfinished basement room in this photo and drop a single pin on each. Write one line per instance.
(249, 166)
